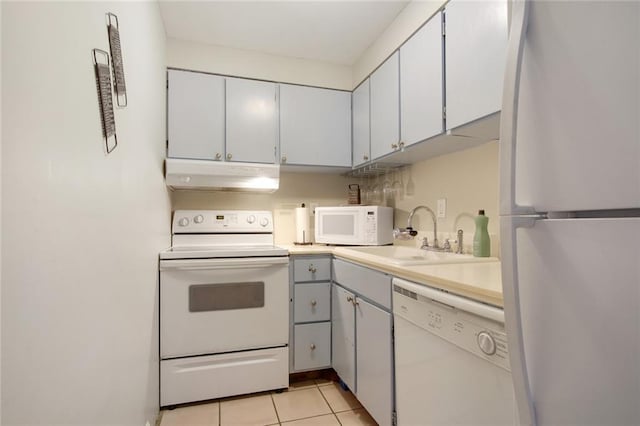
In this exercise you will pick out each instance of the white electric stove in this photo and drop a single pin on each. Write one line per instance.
(224, 307)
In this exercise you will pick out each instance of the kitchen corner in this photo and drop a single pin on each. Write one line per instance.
(480, 281)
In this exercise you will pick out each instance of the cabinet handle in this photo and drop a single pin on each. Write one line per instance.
(218, 156)
(401, 145)
(365, 157)
(312, 269)
(284, 159)
(314, 303)
(313, 346)
(229, 156)
(394, 146)
(349, 299)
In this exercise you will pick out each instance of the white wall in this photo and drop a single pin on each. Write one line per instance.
(80, 230)
(406, 23)
(250, 64)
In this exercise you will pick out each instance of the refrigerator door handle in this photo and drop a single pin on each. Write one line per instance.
(513, 318)
(509, 114)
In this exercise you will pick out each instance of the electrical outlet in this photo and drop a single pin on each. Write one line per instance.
(442, 208)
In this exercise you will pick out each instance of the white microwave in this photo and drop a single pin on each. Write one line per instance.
(354, 225)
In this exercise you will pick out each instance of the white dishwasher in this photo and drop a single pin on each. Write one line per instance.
(451, 360)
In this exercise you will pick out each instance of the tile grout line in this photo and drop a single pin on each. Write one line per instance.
(330, 407)
(273, 401)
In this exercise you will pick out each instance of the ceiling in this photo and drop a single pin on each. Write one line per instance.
(330, 31)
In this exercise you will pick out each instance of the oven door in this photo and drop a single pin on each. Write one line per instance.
(221, 305)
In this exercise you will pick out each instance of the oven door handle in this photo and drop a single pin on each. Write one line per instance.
(226, 263)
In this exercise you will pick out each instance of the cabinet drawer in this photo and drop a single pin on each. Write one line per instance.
(312, 302)
(312, 269)
(371, 284)
(312, 346)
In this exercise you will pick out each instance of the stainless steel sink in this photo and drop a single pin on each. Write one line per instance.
(407, 256)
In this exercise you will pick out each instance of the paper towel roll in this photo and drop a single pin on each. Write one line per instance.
(303, 231)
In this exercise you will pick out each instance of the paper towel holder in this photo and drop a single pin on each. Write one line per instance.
(305, 238)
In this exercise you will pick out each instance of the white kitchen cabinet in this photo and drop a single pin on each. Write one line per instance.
(421, 84)
(195, 115)
(360, 119)
(315, 126)
(385, 108)
(362, 336)
(251, 121)
(310, 313)
(343, 332)
(475, 52)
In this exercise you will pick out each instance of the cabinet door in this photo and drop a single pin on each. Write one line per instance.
(252, 121)
(315, 126)
(385, 108)
(361, 130)
(374, 361)
(475, 51)
(195, 115)
(343, 335)
(421, 84)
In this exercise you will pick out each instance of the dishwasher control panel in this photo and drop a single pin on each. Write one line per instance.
(481, 336)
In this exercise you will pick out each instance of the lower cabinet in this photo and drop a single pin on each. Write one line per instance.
(374, 361)
(312, 349)
(344, 321)
(310, 327)
(343, 335)
(362, 338)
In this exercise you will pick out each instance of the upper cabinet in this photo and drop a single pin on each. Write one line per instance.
(315, 126)
(421, 84)
(385, 108)
(216, 118)
(475, 52)
(252, 121)
(195, 119)
(361, 129)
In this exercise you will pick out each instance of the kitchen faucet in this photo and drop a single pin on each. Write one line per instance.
(408, 233)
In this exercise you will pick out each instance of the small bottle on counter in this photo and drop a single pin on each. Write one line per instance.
(481, 241)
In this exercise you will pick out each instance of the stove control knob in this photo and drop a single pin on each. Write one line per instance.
(264, 222)
(251, 218)
(184, 221)
(198, 219)
(486, 343)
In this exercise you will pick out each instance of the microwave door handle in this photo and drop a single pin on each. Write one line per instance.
(220, 264)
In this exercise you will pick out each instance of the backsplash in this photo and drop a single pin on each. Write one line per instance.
(468, 180)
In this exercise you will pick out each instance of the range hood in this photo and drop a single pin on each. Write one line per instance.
(221, 176)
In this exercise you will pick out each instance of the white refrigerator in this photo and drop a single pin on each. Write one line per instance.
(570, 211)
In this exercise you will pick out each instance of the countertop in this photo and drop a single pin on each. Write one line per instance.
(477, 281)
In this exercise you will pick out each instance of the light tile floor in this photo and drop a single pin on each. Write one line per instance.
(307, 403)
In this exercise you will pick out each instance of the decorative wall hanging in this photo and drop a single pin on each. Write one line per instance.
(103, 82)
(116, 60)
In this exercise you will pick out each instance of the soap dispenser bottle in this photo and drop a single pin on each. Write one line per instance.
(481, 242)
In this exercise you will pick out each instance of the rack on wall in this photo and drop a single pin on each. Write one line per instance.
(115, 47)
(105, 101)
